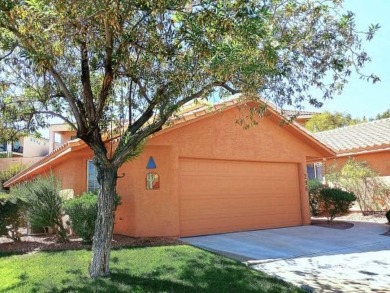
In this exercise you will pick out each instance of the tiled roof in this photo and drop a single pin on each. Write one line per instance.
(193, 110)
(298, 113)
(373, 135)
(190, 113)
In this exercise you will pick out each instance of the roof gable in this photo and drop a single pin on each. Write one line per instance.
(191, 115)
(237, 101)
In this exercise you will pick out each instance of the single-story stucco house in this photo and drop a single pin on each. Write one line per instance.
(368, 142)
(203, 174)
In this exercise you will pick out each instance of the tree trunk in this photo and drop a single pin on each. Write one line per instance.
(101, 246)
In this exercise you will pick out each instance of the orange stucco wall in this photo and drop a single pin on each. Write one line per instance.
(379, 161)
(156, 212)
(148, 212)
(220, 137)
(73, 173)
(67, 136)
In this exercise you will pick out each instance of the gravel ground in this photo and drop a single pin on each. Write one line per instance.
(377, 217)
(48, 242)
(343, 222)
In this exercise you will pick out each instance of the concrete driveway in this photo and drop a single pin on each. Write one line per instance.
(314, 258)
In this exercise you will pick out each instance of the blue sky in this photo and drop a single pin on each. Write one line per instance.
(361, 98)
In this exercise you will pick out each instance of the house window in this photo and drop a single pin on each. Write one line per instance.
(92, 183)
(3, 147)
(314, 171)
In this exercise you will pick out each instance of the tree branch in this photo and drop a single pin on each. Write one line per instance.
(59, 116)
(9, 53)
(142, 89)
(230, 89)
(86, 82)
(108, 74)
(81, 123)
(68, 96)
(136, 133)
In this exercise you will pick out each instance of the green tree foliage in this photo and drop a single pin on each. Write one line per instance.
(328, 121)
(336, 202)
(44, 203)
(359, 178)
(132, 64)
(12, 216)
(10, 172)
(383, 115)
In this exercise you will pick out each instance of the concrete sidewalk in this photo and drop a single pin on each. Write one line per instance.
(316, 258)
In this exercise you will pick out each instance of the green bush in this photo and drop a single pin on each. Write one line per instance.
(336, 202)
(82, 211)
(10, 172)
(359, 178)
(12, 216)
(44, 203)
(388, 216)
(314, 187)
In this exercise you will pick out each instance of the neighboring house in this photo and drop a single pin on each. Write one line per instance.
(60, 134)
(27, 150)
(202, 174)
(368, 142)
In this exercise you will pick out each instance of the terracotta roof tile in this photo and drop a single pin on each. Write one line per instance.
(371, 135)
(298, 113)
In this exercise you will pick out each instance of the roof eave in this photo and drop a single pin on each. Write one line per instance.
(362, 152)
(326, 151)
(54, 155)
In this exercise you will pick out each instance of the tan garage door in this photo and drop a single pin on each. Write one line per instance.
(219, 196)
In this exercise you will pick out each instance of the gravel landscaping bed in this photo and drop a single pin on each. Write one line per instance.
(343, 222)
(49, 242)
(334, 225)
(375, 217)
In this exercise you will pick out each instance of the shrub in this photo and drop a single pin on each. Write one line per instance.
(360, 179)
(336, 202)
(12, 216)
(314, 187)
(10, 172)
(43, 203)
(388, 216)
(82, 211)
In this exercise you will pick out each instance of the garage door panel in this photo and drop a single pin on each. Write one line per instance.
(256, 210)
(223, 196)
(235, 205)
(232, 190)
(252, 215)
